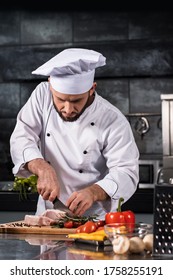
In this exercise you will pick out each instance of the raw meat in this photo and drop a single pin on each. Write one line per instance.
(49, 217)
(54, 214)
(33, 220)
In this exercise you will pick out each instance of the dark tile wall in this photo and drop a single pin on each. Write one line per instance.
(139, 51)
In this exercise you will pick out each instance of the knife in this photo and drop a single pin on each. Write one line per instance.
(57, 204)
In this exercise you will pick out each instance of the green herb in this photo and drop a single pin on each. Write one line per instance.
(25, 186)
(80, 219)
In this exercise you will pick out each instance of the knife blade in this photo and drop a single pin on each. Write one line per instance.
(57, 204)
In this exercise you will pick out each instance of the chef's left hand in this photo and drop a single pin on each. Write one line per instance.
(82, 200)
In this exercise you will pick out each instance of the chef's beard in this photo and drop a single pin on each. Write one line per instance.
(76, 117)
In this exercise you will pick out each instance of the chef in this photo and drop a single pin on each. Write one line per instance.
(79, 145)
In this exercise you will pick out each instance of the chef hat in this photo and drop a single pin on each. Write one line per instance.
(72, 70)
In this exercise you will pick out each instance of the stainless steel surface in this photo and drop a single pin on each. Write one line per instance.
(171, 181)
(6, 186)
(165, 176)
(142, 126)
(61, 206)
(45, 247)
(142, 114)
(167, 129)
(149, 170)
(59, 247)
(163, 222)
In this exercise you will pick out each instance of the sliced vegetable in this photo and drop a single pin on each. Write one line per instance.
(100, 232)
(96, 236)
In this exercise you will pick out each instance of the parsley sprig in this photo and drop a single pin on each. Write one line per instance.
(25, 186)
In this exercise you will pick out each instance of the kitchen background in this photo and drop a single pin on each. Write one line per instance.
(138, 46)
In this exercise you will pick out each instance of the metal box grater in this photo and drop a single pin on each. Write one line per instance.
(163, 220)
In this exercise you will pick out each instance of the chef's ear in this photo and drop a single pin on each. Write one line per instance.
(92, 90)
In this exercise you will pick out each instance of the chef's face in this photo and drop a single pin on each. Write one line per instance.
(70, 107)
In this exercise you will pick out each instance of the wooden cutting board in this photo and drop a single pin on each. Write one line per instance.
(20, 227)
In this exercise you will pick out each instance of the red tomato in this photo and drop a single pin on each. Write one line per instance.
(99, 228)
(76, 224)
(78, 230)
(114, 217)
(88, 227)
(100, 223)
(68, 224)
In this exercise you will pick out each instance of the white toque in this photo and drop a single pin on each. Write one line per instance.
(72, 70)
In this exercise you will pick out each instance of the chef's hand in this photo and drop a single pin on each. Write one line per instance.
(47, 183)
(82, 200)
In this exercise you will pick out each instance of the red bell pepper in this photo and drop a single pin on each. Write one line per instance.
(124, 217)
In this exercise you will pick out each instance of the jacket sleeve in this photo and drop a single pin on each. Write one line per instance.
(121, 155)
(25, 139)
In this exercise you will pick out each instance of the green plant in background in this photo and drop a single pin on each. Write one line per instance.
(25, 186)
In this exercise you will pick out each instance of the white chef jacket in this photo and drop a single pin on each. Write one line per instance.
(98, 147)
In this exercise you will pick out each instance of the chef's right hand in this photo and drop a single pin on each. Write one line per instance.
(48, 186)
(47, 183)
